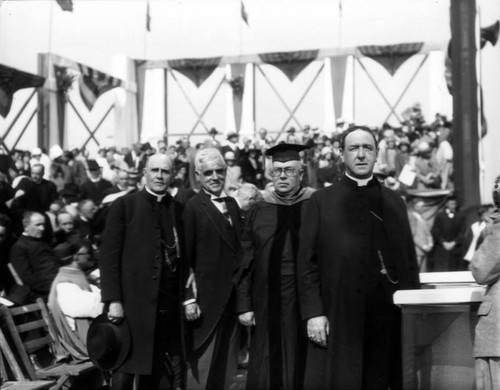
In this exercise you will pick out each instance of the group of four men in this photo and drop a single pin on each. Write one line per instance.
(320, 266)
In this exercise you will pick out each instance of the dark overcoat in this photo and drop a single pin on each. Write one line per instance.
(447, 228)
(94, 190)
(213, 252)
(334, 253)
(130, 264)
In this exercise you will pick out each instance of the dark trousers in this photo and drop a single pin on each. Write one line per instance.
(167, 367)
(214, 365)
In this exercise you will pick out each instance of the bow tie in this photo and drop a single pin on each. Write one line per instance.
(221, 200)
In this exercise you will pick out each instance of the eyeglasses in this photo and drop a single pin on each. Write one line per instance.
(218, 172)
(289, 172)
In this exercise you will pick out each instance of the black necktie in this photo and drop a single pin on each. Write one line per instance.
(225, 212)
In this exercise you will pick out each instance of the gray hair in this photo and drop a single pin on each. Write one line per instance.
(38, 165)
(27, 217)
(250, 190)
(208, 154)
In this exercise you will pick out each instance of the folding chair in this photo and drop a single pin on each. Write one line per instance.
(21, 381)
(32, 332)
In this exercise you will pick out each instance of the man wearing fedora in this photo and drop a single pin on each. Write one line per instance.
(139, 263)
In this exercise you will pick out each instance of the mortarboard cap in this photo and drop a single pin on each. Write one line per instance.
(285, 152)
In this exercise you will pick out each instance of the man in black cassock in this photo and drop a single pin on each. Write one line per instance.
(267, 293)
(140, 280)
(356, 249)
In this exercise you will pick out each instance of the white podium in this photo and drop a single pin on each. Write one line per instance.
(438, 331)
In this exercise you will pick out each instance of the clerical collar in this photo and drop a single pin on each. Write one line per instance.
(95, 180)
(159, 197)
(361, 182)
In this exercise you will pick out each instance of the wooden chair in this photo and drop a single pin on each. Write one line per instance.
(21, 381)
(32, 331)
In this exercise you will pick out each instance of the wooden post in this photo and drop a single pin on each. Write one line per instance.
(165, 105)
(465, 103)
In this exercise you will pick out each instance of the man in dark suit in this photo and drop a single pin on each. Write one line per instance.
(140, 279)
(356, 249)
(212, 226)
(93, 188)
(448, 232)
(42, 193)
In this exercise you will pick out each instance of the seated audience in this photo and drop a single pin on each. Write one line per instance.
(233, 172)
(6, 280)
(422, 236)
(65, 228)
(42, 192)
(33, 259)
(93, 188)
(73, 301)
(89, 222)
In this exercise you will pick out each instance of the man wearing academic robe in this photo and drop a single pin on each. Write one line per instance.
(356, 249)
(267, 293)
(212, 230)
(140, 280)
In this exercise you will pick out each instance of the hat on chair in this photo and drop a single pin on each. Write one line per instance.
(108, 344)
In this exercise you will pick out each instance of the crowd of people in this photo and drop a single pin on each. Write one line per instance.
(187, 244)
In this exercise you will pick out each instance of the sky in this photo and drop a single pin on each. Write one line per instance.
(106, 34)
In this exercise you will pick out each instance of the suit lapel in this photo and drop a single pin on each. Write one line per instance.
(218, 220)
(234, 212)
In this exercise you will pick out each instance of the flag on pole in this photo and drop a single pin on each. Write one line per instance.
(148, 17)
(11, 80)
(244, 14)
(66, 5)
(93, 84)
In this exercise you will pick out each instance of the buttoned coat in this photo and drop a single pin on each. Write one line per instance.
(130, 264)
(213, 251)
(333, 263)
(485, 267)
